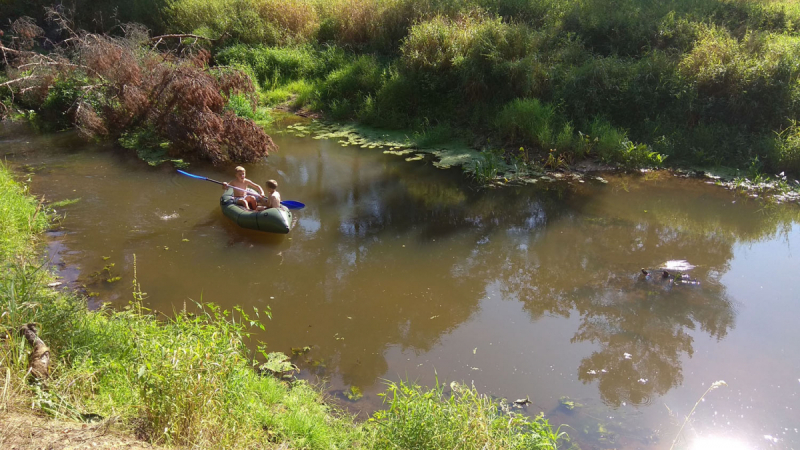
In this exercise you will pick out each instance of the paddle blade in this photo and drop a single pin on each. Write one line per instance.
(291, 204)
(190, 175)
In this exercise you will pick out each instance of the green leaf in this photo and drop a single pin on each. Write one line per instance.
(277, 362)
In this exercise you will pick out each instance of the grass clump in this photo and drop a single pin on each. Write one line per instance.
(422, 418)
(271, 22)
(527, 120)
(183, 381)
(21, 217)
(787, 148)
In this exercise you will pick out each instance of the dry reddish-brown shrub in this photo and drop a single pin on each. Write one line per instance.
(88, 123)
(120, 85)
(25, 32)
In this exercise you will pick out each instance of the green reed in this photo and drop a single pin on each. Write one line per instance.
(421, 418)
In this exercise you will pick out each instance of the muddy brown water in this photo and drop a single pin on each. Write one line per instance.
(399, 271)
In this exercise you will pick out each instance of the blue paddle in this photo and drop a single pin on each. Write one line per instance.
(291, 204)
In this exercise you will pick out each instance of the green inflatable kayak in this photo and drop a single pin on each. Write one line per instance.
(273, 220)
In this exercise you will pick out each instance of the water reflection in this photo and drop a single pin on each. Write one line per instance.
(719, 443)
(392, 264)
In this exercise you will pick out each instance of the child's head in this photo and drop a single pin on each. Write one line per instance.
(272, 184)
(240, 171)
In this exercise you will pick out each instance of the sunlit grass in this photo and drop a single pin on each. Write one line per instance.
(421, 418)
(296, 94)
(21, 217)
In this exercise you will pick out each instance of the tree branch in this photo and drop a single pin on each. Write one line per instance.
(180, 36)
(64, 64)
(17, 80)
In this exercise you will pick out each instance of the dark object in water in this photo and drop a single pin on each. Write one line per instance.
(664, 273)
(666, 276)
(520, 402)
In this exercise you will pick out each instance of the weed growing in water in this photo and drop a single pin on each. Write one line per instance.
(487, 167)
(713, 386)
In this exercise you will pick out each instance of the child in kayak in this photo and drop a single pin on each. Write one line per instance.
(241, 196)
(273, 196)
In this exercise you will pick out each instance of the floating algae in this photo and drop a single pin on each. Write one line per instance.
(398, 143)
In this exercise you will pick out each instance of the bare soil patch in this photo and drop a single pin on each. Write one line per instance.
(20, 431)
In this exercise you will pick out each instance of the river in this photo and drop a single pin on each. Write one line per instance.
(397, 270)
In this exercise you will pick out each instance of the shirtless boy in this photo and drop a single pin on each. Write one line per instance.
(240, 196)
(273, 197)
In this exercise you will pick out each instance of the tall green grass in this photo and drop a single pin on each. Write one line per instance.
(21, 217)
(180, 381)
(528, 120)
(421, 418)
(270, 22)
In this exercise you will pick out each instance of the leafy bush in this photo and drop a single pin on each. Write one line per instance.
(717, 63)
(628, 90)
(747, 82)
(245, 107)
(400, 104)
(633, 155)
(439, 45)
(299, 94)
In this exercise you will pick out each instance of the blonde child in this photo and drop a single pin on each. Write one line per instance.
(241, 196)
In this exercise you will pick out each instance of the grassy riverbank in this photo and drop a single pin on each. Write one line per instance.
(190, 380)
(540, 83)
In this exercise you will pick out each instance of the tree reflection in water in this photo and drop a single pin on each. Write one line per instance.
(559, 250)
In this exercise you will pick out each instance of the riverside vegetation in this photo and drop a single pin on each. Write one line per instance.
(538, 83)
(190, 380)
